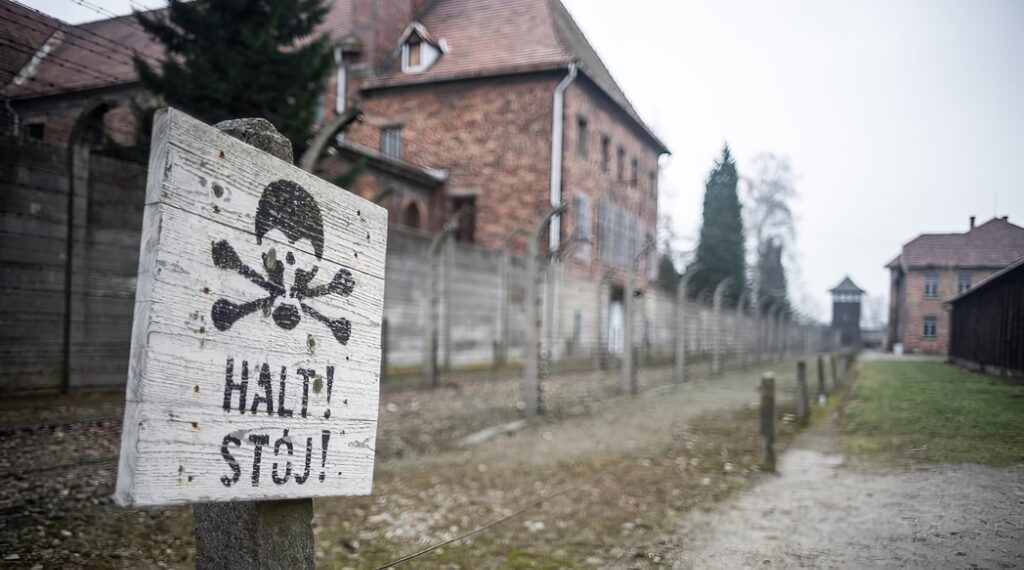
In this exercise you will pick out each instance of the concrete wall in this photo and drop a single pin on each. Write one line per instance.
(105, 233)
(104, 229)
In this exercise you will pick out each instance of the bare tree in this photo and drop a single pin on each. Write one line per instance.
(767, 195)
(874, 312)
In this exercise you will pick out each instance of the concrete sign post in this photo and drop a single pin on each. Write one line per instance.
(255, 354)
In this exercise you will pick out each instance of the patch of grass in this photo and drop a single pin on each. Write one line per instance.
(904, 410)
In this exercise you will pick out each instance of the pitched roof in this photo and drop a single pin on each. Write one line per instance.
(93, 55)
(487, 38)
(994, 244)
(1004, 273)
(846, 286)
(23, 31)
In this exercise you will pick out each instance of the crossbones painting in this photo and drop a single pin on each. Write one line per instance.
(288, 208)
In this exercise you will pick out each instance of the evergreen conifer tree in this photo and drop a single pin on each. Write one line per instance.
(668, 275)
(229, 59)
(720, 251)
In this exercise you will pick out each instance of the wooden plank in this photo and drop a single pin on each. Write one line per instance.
(209, 317)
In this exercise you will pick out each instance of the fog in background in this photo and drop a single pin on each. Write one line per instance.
(899, 118)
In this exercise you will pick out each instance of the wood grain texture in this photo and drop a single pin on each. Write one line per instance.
(189, 436)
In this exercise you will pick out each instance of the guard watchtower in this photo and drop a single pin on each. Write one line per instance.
(846, 298)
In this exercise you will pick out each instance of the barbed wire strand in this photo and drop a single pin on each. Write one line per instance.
(111, 47)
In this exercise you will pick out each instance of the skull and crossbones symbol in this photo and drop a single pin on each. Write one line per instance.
(288, 208)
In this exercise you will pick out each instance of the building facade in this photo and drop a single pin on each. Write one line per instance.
(931, 269)
(500, 109)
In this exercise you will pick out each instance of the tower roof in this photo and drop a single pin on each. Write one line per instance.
(846, 286)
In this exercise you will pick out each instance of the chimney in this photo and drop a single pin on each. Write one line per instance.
(1006, 218)
(972, 222)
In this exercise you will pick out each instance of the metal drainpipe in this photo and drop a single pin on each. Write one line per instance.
(557, 124)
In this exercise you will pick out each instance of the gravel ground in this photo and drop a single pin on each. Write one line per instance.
(823, 512)
(58, 457)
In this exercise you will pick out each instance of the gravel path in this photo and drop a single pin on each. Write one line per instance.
(823, 512)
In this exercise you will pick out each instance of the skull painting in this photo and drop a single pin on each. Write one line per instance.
(287, 209)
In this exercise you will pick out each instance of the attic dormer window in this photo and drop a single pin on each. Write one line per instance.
(419, 51)
(414, 54)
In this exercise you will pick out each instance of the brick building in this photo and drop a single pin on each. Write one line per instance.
(501, 107)
(931, 269)
(459, 103)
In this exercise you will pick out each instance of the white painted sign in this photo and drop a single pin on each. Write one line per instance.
(255, 352)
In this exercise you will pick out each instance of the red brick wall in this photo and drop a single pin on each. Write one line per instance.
(492, 136)
(917, 307)
(584, 175)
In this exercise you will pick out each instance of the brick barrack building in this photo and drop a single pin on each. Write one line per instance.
(500, 108)
(934, 268)
(458, 99)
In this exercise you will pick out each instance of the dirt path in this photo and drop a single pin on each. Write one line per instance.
(823, 512)
(628, 424)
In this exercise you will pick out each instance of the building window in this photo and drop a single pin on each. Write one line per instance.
(581, 137)
(620, 234)
(467, 221)
(606, 152)
(36, 131)
(931, 286)
(391, 141)
(581, 225)
(411, 216)
(652, 177)
(931, 327)
(620, 165)
(963, 283)
(634, 174)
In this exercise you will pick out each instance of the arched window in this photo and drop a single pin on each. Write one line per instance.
(411, 216)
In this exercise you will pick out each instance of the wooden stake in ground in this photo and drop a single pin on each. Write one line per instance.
(832, 365)
(802, 403)
(768, 421)
(822, 392)
(255, 358)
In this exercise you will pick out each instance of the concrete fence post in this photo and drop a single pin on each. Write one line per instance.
(531, 364)
(431, 378)
(629, 375)
(255, 534)
(741, 336)
(600, 353)
(822, 391)
(716, 348)
(768, 421)
(505, 328)
(802, 402)
(626, 385)
(679, 373)
(832, 365)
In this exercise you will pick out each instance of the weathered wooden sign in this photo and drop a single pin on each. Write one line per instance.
(255, 353)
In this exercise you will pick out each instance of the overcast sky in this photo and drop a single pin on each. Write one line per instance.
(898, 117)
